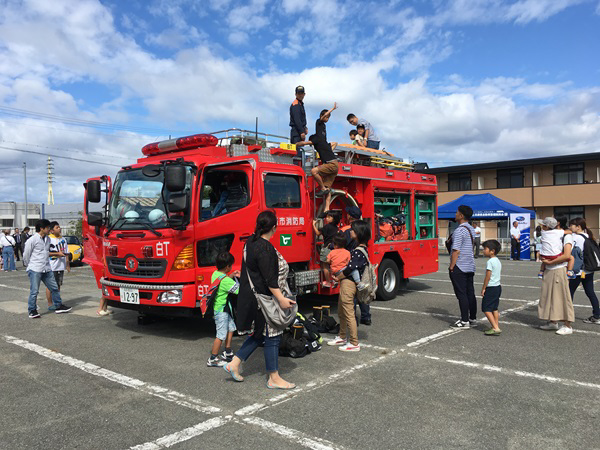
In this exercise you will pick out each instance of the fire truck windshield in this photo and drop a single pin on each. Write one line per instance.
(137, 200)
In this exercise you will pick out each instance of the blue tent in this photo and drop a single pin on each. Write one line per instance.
(485, 207)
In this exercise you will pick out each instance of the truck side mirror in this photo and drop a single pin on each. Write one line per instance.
(95, 219)
(175, 176)
(93, 191)
(178, 202)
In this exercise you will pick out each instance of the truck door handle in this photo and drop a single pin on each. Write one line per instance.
(244, 237)
(301, 233)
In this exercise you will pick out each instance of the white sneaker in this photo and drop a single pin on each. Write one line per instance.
(549, 326)
(564, 331)
(337, 341)
(349, 348)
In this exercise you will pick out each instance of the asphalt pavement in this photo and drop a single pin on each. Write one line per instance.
(82, 381)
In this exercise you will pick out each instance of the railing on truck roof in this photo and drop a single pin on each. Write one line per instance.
(248, 137)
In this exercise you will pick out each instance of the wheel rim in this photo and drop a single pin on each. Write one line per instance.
(389, 280)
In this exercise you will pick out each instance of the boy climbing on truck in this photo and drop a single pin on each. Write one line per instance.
(329, 230)
(325, 173)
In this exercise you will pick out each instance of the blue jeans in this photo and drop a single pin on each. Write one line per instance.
(271, 350)
(8, 254)
(365, 310)
(372, 144)
(34, 286)
(588, 287)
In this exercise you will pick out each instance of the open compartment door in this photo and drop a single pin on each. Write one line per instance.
(94, 221)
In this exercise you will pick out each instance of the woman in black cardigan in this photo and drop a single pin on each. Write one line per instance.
(266, 267)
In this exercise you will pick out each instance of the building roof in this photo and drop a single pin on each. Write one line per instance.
(517, 163)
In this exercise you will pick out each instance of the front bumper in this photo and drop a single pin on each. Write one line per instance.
(149, 294)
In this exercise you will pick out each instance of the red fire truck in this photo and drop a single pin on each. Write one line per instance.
(153, 236)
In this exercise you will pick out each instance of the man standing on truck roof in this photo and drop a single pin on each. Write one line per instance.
(370, 136)
(298, 117)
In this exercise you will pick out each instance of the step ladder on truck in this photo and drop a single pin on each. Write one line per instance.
(165, 218)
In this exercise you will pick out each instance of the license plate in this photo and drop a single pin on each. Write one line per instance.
(129, 296)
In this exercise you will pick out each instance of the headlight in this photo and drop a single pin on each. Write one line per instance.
(170, 297)
(105, 291)
(78, 251)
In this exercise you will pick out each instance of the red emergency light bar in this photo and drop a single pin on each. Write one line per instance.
(182, 143)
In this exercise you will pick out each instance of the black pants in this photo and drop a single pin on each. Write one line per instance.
(464, 289)
(588, 287)
(515, 249)
(17, 251)
(476, 249)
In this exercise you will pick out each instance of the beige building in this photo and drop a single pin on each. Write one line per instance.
(553, 186)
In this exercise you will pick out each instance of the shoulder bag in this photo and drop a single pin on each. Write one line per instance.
(275, 315)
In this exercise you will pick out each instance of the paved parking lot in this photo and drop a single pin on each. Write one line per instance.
(80, 381)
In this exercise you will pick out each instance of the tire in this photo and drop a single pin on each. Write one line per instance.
(388, 280)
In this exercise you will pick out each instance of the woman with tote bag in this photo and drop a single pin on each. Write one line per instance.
(264, 273)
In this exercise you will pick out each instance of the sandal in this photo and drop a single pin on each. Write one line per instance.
(287, 387)
(237, 378)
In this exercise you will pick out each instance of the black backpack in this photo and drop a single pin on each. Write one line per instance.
(294, 348)
(591, 255)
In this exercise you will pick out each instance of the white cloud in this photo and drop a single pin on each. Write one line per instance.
(460, 121)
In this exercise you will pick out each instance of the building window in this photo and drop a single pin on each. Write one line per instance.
(7, 223)
(568, 174)
(570, 212)
(509, 178)
(459, 181)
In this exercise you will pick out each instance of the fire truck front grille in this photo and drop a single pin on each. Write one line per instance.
(147, 268)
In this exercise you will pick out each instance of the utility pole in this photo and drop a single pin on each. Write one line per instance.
(26, 207)
(50, 180)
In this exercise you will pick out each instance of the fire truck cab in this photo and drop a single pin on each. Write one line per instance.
(162, 223)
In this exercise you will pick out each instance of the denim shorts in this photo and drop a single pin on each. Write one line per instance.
(224, 324)
(491, 299)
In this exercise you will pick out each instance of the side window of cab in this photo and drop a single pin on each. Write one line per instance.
(223, 192)
(282, 191)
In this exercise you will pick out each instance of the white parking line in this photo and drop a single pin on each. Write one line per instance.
(292, 435)
(14, 287)
(503, 285)
(450, 316)
(184, 435)
(152, 389)
(519, 373)
(451, 294)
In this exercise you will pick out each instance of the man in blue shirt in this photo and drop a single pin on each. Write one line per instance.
(298, 117)
(462, 268)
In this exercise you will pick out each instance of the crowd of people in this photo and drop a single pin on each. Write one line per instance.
(11, 247)
(556, 242)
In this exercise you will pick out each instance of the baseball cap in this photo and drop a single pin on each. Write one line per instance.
(299, 89)
(354, 212)
(550, 222)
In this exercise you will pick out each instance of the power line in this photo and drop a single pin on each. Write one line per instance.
(65, 149)
(68, 130)
(62, 157)
(75, 121)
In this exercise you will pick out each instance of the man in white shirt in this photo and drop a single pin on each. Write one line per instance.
(58, 264)
(477, 239)
(515, 242)
(8, 250)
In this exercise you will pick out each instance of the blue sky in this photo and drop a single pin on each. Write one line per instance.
(447, 82)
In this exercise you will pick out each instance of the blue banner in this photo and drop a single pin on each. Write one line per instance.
(524, 225)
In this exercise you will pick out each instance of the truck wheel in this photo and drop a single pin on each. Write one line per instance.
(388, 280)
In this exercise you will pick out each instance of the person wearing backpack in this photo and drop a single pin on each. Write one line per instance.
(348, 337)
(462, 268)
(582, 237)
(354, 213)
(222, 309)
